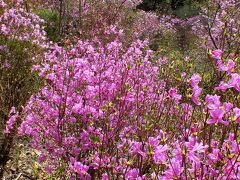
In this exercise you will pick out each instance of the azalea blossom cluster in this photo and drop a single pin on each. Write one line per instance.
(131, 3)
(16, 23)
(104, 113)
(149, 24)
(94, 16)
(13, 119)
(195, 79)
(232, 75)
(218, 25)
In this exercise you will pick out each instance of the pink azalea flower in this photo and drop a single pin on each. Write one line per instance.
(173, 94)
(217, 117)
(213, 101)
(175, 169)
(228, 67)
(222, 86)
(160, 154)
(105, 176)
(136, 149)
(235, 81)
(195, 79)
(196, 93)
(132, 174)
(217, 53)
(153, 141)
(227, 106)
(236, 112)
(81, 168)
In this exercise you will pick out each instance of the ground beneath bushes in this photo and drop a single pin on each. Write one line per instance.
(23, 164)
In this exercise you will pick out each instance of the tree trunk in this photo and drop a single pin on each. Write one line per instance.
(60, 17)
(80, 13)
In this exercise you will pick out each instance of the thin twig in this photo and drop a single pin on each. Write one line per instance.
(18, 177)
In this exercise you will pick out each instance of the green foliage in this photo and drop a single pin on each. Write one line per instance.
(187, 10)
(17, 82)
(51, 19)
(179, 8)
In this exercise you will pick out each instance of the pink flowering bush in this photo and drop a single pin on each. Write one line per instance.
(111, 108)
(106, 112)
(18, 24)
(210, 43)
(149, 24)
(21, 39)
(218, 25)
(87, 19)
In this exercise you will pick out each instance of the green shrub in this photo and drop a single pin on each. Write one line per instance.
(51, 19)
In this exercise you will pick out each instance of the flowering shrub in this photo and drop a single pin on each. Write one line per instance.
(21, 38)
(131, 3)
(105, 113)
(18, 24)
(88, 19)
(115, 110)
(20, 33)
(218, 25)
(149, 24)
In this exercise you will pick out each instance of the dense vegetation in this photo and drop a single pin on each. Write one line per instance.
(120, 89)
